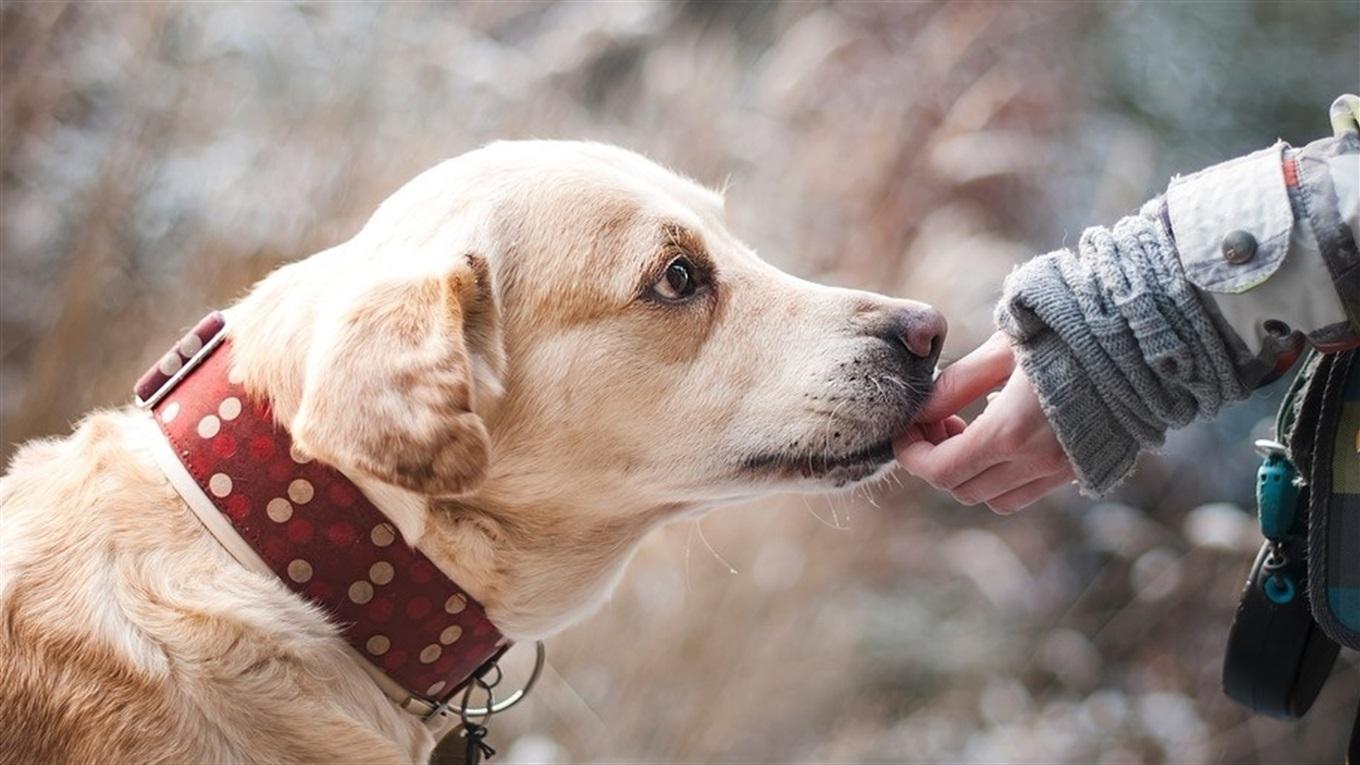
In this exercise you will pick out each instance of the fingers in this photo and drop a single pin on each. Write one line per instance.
(1024, 496)
(934, 432)
(969, 378)
(1008, 458)
(995, 481)
(1009, 478)
(949, 463)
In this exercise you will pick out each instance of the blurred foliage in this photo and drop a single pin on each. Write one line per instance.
(157, 158)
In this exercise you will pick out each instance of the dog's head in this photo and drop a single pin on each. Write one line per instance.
(565, 341)
(569, 319)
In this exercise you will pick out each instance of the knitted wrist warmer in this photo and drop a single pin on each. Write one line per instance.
(1117, 345)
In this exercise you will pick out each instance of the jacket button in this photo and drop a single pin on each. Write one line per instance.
(1239, 247)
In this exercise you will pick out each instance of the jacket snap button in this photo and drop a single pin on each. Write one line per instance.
(1239, 247)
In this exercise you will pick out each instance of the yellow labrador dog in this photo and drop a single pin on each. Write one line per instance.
(530, 356)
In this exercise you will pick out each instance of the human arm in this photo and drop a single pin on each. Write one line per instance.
(1153, 323)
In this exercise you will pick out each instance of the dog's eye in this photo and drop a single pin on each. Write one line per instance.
(678, 282)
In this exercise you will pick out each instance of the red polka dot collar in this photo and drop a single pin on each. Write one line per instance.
(420, 635)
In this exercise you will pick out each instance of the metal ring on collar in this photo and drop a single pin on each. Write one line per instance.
(496, 707)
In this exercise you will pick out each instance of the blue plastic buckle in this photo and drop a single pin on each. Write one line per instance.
(1277, 493)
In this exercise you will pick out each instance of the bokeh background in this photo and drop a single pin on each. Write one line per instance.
(157, 158)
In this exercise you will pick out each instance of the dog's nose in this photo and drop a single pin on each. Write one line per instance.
(923, 332)
(913, 327)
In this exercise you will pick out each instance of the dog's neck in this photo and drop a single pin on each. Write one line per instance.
(536, 569)
(536, 564)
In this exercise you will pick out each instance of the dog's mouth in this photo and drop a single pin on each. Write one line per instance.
(884, 412)
(842, 469)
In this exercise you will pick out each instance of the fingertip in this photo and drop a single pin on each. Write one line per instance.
(969, 378)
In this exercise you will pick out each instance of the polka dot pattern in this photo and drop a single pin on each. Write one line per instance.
(229, 409)
(381, 572)
(383, 534)
(301, 491)
(219, 485)
(361, 592)
(170, 364)
(300, 571)
(279, 510)
(319, 534)
(378, 645)
(209, 426)
(189, 345)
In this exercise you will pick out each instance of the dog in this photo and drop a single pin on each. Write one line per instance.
(528, 358)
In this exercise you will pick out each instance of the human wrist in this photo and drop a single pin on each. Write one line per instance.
(1100, 448)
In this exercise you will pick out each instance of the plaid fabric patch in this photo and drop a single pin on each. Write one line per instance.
(1334, 515)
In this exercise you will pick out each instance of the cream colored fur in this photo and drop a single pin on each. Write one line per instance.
(487, 360)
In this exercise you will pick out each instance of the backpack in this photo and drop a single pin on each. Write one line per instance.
(1301, 603)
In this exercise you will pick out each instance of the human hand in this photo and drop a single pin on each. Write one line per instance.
(1008, 457)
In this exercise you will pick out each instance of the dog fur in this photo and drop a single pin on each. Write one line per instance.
(491, 361)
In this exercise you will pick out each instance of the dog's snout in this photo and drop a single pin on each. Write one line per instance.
(922, 331)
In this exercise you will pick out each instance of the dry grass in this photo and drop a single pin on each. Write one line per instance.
(158, 158)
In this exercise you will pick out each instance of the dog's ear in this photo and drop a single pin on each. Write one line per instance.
(389, 385)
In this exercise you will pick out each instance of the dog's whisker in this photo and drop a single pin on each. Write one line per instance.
(906, 385)
(835, 514)
(869, 497)
(730, 568)
(814, 514)
(689, 543)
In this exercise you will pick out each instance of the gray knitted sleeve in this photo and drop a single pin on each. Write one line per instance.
(1117, 344)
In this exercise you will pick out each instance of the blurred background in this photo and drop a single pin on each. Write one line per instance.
(156, 159)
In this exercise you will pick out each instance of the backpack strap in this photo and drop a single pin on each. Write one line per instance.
(1334, 506)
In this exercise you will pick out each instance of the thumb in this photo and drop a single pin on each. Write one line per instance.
(969, 378)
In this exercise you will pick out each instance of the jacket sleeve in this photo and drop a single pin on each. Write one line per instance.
(1170, 314)
(1270, 239)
